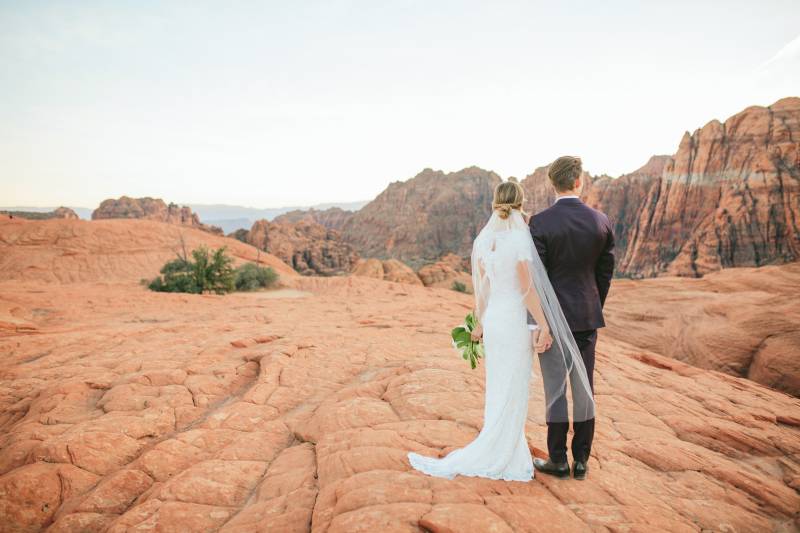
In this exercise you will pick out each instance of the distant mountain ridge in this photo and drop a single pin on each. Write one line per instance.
(729, 196)
(233, 217)
(84, 213)
(424, 218)
(228, 217)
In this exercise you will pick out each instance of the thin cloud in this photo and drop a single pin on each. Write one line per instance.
(790, 52)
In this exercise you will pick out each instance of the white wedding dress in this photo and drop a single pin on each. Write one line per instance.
(505, 267)
(500, 451)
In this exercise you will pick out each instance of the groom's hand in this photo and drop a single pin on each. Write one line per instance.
(543, 340)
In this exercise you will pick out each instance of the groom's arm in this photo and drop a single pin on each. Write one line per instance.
(538, 240)
(541, 248)
(604, 270)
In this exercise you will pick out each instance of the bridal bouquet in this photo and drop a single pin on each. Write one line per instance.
(462, 341)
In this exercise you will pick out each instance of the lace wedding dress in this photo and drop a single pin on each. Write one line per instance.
(502, 250)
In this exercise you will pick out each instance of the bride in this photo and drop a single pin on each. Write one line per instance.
(510, 281)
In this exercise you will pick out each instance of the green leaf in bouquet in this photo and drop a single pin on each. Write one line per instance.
(461, 336)
(462, 339)
(469, 320)
(457, 332)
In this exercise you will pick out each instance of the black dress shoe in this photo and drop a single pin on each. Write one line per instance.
(560, 470)
(580, 469)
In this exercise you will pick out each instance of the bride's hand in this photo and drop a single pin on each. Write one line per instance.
(477, 333)
(543, 340)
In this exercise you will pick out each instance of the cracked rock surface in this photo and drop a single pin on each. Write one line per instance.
(123, 409)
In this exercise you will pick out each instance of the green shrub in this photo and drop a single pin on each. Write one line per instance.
(206, 272)
(240, 235)
(213, 271)
(176, 276)
(459, 287)
(251, 276)
(209, 271)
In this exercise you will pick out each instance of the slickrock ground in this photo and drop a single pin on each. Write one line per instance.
(743, 321)
(105, 250)
(293, 410)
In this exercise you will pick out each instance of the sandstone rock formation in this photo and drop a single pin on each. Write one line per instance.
(754, 219)
(60, 212)
(106, 250)
(441, 274)
(388, 270)
(445, 272)
(150, 209)
(65, 212)
(729, 197)
(331, 218)
(456, 262)
(307, 246)
(130, 410)
(623, 199)
(743, 321)
(421, 219)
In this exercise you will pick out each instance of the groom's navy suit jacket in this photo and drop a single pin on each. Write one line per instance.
(576, 244)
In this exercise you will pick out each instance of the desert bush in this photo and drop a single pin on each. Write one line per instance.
(250, 277)
(210, 271)
(240, 235)
(459, 287)
(176, 276)
(206, 271)
(214, 271)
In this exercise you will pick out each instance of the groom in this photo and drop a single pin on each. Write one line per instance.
(576, 244)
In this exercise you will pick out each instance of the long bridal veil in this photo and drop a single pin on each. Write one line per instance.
(565, 365)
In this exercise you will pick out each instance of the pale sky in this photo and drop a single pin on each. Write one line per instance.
(295, 103)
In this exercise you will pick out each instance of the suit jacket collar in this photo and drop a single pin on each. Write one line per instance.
(569, 201)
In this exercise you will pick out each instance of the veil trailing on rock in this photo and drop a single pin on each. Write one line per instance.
(565, 365)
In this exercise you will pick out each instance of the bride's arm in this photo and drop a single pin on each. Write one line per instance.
(534, 305)
(480, 305)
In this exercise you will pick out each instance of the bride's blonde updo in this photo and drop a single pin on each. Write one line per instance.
(507, 196)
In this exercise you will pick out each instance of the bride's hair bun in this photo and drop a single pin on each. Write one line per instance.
(507, 197)
(503, 210)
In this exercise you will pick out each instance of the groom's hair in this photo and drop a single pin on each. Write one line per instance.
(564, 171)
